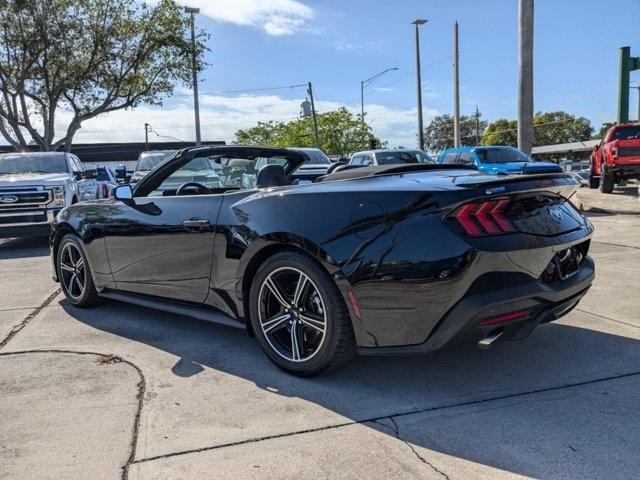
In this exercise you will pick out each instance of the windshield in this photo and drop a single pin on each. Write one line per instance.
(317, 157)
(626, 133)
(401, 156)
(150, 160)
(501, 155)
(33, 163)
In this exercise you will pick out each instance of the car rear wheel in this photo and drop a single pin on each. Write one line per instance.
(607, 181)
(74, 274)
(299, 316)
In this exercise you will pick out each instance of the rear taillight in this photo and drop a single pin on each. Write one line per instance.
(484, 218)
(105, 191)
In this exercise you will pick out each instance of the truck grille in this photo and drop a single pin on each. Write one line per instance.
(13, 197)
(16, 216)
(629, 152)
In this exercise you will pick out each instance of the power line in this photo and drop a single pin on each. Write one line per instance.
(248, 90)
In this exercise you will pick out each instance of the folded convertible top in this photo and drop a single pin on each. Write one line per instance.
(363, 172)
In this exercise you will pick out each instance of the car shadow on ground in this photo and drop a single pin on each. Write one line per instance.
(28, 247)
(521, 441)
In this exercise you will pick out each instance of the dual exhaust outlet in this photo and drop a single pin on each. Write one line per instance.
(491, 339)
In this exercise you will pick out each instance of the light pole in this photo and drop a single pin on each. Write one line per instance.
(194, 65)
(364, 83)
(417, 23)
(146, 136)
(525, 75)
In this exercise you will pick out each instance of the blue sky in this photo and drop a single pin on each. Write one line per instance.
(335, 44)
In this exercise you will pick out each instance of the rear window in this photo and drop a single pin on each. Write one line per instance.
(626, 133)
(501, 155)
(102, 175)
(390, 158)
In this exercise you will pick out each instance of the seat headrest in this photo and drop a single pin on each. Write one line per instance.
(271, 175)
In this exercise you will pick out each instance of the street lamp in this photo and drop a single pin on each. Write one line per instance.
(417, 23)
(194, 65)
(363, 84)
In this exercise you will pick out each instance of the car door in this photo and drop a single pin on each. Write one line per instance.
(160, 243)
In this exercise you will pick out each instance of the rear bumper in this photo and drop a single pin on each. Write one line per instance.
(463, 323)
(631, 170)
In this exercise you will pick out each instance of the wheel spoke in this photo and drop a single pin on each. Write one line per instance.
(80, 263)
(71, 283)
(277, 293)
(80, 286)
(66, 267)
(313, 323)
(275, 323)
(300, 287)
(295, 343)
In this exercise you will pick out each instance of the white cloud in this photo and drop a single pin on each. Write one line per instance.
(344, 46)
(275, 17)
(222, 116)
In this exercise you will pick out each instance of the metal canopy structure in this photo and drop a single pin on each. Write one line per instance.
(585, 146)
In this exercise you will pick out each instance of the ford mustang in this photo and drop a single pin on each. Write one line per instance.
(388, 259)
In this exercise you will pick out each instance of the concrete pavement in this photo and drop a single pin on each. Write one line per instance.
(561, 404)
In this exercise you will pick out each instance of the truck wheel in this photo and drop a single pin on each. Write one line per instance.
(607, 181)
(594, 182)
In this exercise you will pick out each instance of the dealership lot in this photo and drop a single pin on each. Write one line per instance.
(85, 392)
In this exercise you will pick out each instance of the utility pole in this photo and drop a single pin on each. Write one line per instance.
(627, 65)
(364, 83)
(525, 76)
(313, 114)
(194, 67)
(417, 23)
(456, 88)
(477, 126)
(146, 136)
(638, 88)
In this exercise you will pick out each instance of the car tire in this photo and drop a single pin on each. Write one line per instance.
(594, 182)
(607, 181)
(318, 318)
(74, 273)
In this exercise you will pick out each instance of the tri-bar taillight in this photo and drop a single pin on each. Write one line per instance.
(484, 218)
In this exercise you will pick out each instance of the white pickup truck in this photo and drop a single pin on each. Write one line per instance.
(34, 187)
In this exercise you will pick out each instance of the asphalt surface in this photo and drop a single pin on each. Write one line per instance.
(119, 391)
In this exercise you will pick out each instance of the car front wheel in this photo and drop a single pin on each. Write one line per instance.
(299, 316)
(74, 274)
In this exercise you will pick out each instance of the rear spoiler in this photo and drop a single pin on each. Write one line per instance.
(561, 183)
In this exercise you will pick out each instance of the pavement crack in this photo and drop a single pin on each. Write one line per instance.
(396, 429)
(617, 245)
(383, 417)
(608, 318)
(16, 328)
(107, 358)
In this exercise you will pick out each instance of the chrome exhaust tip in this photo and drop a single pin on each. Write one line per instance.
(490, 339)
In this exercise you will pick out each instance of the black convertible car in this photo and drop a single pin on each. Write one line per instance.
(375, 260)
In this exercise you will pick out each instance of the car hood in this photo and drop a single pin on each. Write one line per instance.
(28, 179)
(516, 167)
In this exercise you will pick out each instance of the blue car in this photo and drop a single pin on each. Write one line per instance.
(497, 160)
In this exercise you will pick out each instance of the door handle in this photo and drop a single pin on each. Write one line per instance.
(196, 223)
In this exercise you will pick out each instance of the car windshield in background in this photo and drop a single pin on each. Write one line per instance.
(102, 175)
(501, 155)
(626, 133)
(32, 163)
(150, 160)
(390, 158)
(317, 157)
(422, 157)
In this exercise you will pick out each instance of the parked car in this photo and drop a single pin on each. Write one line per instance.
(34, 187)
(315, 167)
(497, 160)
(147, 161)
(581, 176)
(388, 259)
(616, 157)
(105, 180)
(369, 158)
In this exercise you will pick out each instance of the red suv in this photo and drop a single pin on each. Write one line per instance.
(616, 158)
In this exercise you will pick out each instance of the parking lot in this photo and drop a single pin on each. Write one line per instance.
(86, 393)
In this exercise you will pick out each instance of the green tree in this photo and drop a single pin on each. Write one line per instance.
(549, 128)
(438, 134)
(86, 57)
(340, 133)
(603, 130)
(501, 132)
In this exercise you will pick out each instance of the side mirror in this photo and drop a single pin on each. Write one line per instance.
(122, 192)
